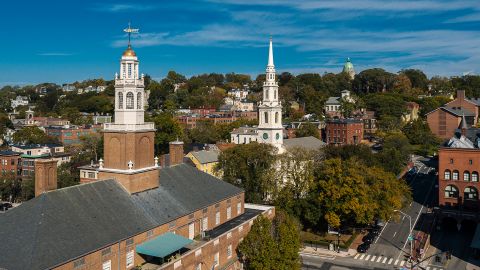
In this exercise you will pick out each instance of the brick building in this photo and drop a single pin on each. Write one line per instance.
(344, 131)
(219, 117)
(68, 135)
(444, 120)
(11, 163)
(135, 213)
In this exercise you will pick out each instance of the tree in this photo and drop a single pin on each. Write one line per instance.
(352, 193)
(307, 129)
(416, 77)
(373, 81)
(272, 245)
(250, 166)
(168, 129)
(402, 84)
(93, 144)
(395, 153)
(31, 135)
(67, 175)
(418, 133)
(204, 132)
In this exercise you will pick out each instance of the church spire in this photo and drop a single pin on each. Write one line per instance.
(270, 55)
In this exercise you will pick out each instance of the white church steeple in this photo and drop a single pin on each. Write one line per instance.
(270, 129)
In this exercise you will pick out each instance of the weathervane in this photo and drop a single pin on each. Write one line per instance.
(130, 31)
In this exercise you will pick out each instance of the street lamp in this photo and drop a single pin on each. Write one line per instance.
(410, 237)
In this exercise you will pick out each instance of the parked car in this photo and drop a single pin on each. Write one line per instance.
(369, 238)
(362, 248)
(4, 206)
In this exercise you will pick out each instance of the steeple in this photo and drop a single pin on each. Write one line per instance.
(463, 126)
(270, 55)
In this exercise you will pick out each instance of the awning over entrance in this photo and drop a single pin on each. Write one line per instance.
(163, 245)
(476, 238)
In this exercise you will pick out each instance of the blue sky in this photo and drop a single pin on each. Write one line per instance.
(64, 41)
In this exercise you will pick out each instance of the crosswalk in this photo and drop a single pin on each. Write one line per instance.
(385, 260)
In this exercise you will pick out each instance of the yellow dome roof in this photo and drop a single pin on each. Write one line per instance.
(129, 52)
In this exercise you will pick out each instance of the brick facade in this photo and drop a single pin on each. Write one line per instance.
(45, 176)
(122, 147)
(344, 131)
(458, 171)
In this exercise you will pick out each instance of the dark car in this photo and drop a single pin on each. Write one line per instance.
(369, 238)
(5, 206)
(362, 248)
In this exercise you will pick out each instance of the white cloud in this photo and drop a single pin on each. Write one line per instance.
(123, 7)
(54, 54)
(474, 17)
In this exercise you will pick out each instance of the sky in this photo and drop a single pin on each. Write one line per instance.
(65, 41)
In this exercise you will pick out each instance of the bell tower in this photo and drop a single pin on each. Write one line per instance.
(129, 141)
(270, 129)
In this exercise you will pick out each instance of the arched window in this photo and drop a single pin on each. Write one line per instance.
(267, 96)
(275, 94)
(455, 175)
(120, 100)
(470, 193)
(447, 175)
(266, 117)
(466, 176)
(451, 191)
(130, 101)
(474, 176)
(139, 101)
(276, 117)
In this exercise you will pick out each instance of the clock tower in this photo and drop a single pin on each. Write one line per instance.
(270, 129)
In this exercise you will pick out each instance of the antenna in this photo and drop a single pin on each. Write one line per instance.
(130, 31)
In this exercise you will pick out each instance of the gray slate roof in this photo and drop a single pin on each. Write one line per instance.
(205, 156)
(61, 225)
(309, 143)
(458, 111)
(333, 101)
(245, 130)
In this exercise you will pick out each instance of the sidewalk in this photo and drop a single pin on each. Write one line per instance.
(326, 252)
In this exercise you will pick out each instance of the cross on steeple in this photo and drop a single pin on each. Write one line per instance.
(130, 31)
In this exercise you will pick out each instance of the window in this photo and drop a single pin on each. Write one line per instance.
(229, 212)
(79, 263)
(239, 208)
(107, 265)
(451, 161)
(276, 117)
(12, 162)
(266, 117)
(130, 100)
(447, 175)
(216, 259)
(120, 100)
(129, 70)
(91, 175)
(470, 162)
(474, 177)
(466, 176)
(139, 101)
(455, 175)
(217, 218)
(205, 224)
(471, 193)
(130, 258)
(451, 191)
(229, 251)
(106, 251)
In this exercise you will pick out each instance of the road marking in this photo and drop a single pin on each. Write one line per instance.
(368, 257)
(390, 261)
(361, 257)
(327, 257)
(356, 256)
(402, 263)
(373, 258)
(384, 260)
(380, 234)
(379, 258)
(396, 261)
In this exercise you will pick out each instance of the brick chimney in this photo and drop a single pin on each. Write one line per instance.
(176, 152)
(461, 95)
(45, 176)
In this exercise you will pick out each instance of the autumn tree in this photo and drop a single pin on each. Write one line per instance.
(31, 135)
(250, 166)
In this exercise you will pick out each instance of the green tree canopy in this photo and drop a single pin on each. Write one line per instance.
(307, 129)
(31, 135)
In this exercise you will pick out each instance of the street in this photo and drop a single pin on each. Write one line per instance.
(391, 249)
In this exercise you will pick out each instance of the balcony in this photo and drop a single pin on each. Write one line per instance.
(128, 127)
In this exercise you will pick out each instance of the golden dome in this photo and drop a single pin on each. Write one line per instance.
(129, 52)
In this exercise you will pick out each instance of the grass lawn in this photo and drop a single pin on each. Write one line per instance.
(325, 239)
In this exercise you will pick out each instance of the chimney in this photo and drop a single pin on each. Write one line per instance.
(461, 95)
(45, 175)
(176, 152)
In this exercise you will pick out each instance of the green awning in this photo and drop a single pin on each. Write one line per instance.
(476, 238)
(163, 245)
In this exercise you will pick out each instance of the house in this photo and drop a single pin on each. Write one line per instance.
(344, 131)
(11, 163)
(19, 101)
(31, 153)
(204, 160)
(444, 120)
(412, 112)
(69, 135)
(333, 104)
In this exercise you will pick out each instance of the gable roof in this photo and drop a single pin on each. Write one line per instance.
(206, 156)
(457, 111)
(68, 223)
(309, 143)
(333, 101)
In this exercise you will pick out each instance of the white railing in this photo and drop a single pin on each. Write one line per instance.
(128, 127)
(129, 82)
